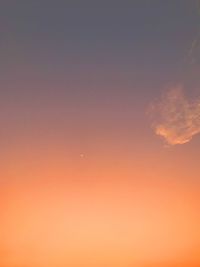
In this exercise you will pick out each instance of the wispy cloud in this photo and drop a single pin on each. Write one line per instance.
(194, 50)
(175, 118)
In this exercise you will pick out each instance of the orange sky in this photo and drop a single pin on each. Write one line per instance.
(84, 180)
(80, 212)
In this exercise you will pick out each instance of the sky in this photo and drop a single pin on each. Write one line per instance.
(90, 176)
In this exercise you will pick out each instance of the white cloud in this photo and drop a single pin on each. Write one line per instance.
(175, 118)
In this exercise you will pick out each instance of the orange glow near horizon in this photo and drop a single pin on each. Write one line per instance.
(98, 222)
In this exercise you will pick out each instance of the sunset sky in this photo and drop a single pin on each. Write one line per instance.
(88, 177)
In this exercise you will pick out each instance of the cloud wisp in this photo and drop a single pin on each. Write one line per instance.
(175, 118)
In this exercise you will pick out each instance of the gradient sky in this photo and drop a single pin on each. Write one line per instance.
(84, 179)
